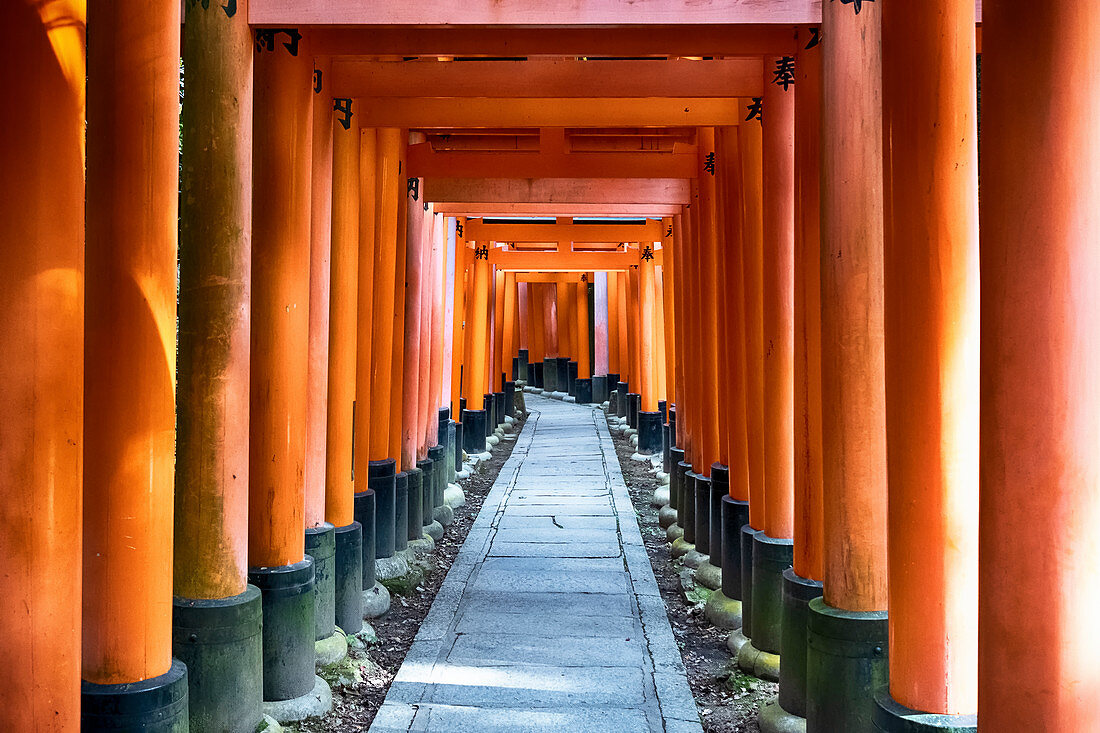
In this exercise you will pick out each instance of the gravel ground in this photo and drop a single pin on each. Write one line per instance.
(728, 699)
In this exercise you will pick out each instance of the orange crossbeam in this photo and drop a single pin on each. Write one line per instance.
(562, 261)
(561, 192)
(481, 231)
(426, 163)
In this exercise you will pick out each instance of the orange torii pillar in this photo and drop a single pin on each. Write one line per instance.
(129, 369)
(802, 582)
(350, 267)
(932, 361)
(42, 115)
(437, 415)
(600, 333)
(583, 382)
(566, 364)
(649, 416)
(550, 328)
(729, 496)
(621, 300)
(667, 318)
(216, 614)
(847, 634)
(384, 397)
(750, 147)
(1040, 262)
(523, 333)
(614, 357)
(679, 427)
(458, 323)
(499, 371)
(633, 346)
(320, 530)
(397, 566)
(510, 363)
(277, 561)
(475, 415)
(537, 330)
(410, 487)
(773, 545)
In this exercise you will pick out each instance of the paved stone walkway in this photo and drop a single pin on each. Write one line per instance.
(550, 618)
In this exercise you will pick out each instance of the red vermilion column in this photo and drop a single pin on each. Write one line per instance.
(459, 324)
(614, 366)
(282, 132)
(623, 282)
(802, 582)
(401, 285)
(659, 336)
(932, 352)
(210, 555)
(436, 358)
(42, 72)
(509, 348)
(584, 356)
(1040, 269)
(750, 144)
(479, 333)
(129, 356)
(498, 331)
(680, 344)
(646, 351)
(840, 683)
(708, 285)
(319, 291)
(410, 374)
(668, 299)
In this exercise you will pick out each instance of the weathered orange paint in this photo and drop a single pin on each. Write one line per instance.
(584, 337)
(808, 495)
(668, 309)
(550, 319)
(366, 321)
(498, 332)
(731, 197)
(425, 366)
(659, 334)
(852, 351)
(210, 513)
(614, 365)
(750, 144)
(401, 284)
(691, 339)
(677, 266)
(344, 326)
(320, 247)
(778, 305)
(389, 191)
(621, 311)
(130, 338)
(42, 113)
(410, 372)
(434, 351)
(1040, 428)
(647, 358)
(509, 323)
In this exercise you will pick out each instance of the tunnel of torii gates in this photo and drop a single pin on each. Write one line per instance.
(247, 332)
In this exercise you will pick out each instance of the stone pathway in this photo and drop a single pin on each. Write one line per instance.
(550, 618)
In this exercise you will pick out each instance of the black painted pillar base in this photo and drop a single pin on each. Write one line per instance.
(599, 390)
(561, 375)
(349, 578)
(524, 358)
(649, 433)
(797, 594)
(893, 717)
(846, 663)
(666, 446)
(687, 504)
(321, 546)
(437, 455)
(490, 413)
(460, 443)
(401, 513)
(365, 512)
(288, 628)
(219, 642)
(382, 479)
(584, 391)
(414, 516)
(549, 374)
(499, 409)
(514, 374)
(676, 478)
(428, 469)
(633, 407)
(535, 374)
(770, 557)
(613, 402)
(155, 705)
(662, 407)
(510, 399)
(748, 545)
(461, 405)
(473, 431)
(719, 489)
(672, 426)
(571, 372)
(702, 514)
(444, 421)
(623, 402)
(735, 515)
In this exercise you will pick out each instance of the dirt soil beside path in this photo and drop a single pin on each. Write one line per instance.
(728, 699)
(360, 685)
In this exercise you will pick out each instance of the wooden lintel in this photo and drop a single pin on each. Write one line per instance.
(480, 230)
(512, 261)
(562, 193)
(423, 162)
(564, 78)
(548, 277)
(441, 113)
(540, 209)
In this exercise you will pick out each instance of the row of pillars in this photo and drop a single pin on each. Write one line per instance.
(884, 443)
(222, 378)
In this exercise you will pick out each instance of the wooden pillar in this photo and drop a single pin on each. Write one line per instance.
(584, 351)
(659, 334)
(535, 321)
(362, 163)
(852, 374)
(401, 285)
(1040, 263)
(436, 400)
(509, 325)
(411, 366)
(427, 366)
(709, 262)
(498, 333)
(459, 324)
(634, 329)
(42, 72)
(479, 330)
(932, 353)
(523, 317)
(646, 328)
(319, 293)
(778, 297)
(623, 281)
(668, 286)
(682, 342)
(553, 344)
(129, 347)
(750, 143)
(614, 363)
(388, 184)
